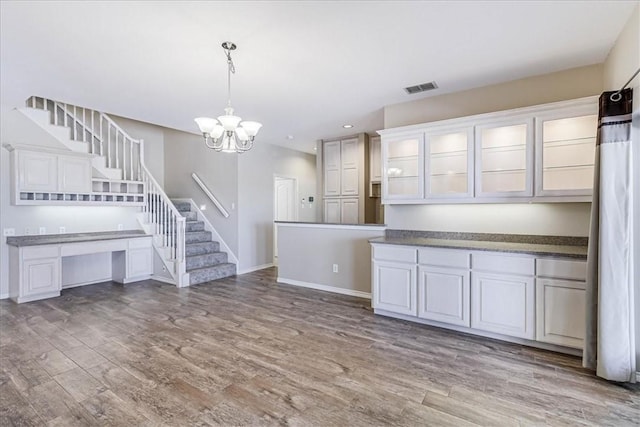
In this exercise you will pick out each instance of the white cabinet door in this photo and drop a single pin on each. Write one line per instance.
(349, 182)
(139, 262)
(375, 165)
(560, 312)
(394, 287)
(503, 304)
(40, 276)
(349, 167)
(349, 211)
(332, 168)
(504, 159)
(449, 163)
(332, 211)
(349, 153)
(403, 168)
(37, 171)
(565, 151)
(443, 295)
(74, 174)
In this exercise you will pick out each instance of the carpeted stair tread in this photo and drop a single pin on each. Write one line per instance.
(205, 260)
(197, 236)
(206, 274)
(201, 248)
(194, 226)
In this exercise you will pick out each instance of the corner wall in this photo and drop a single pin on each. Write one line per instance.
(567, 219)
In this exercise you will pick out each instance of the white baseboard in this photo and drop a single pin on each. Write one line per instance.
(327, 288)
(167, 280)
(6, 296)
(255, 268)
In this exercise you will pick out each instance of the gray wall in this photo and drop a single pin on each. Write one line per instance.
(307, 254)
(186, 153)
(621, 63)
(547, 219)
(256, 171)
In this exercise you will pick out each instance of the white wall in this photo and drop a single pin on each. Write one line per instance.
(567, 219)
(184, 154)
(256, 171)
(623, 60)
(17, 129)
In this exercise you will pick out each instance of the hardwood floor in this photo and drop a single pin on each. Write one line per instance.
(247, 351)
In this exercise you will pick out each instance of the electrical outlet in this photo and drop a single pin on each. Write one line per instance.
(62, 230)
(9, 232)
(42, 230)
(335, 268)
(120, 227)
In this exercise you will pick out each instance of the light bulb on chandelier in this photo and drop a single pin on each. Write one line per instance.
(228, 133)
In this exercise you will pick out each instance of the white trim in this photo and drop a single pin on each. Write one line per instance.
(210, 195)
(255, 268)
(367, 227)
(326, 288)
(162, 279)
(214, 233)
(6, 296)
(90, 282)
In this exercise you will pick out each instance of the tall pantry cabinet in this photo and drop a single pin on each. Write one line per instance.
(345, 175)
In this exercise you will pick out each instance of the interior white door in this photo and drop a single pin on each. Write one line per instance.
(284, 205)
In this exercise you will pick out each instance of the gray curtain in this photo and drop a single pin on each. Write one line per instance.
(609, 341)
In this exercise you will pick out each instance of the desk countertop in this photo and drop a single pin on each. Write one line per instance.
(55, 239)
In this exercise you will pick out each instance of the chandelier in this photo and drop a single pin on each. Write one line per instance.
(228, 134)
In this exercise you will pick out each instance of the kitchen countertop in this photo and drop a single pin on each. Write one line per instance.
(367, 224)
(534, 245)
(54, 239)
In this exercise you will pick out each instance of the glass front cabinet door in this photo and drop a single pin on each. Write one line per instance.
(449, 163)
(565, 152)
(403, 171)
(504, 159)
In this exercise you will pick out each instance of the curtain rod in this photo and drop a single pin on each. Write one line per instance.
(616, 96)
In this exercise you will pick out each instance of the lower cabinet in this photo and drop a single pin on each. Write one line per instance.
(332, 211)
(443, 295)
(139, 258)
(41, 276)
(560, 312)
(342, 211)
(394, 287)
(503, 304)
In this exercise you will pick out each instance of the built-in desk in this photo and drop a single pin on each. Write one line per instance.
(35, 262)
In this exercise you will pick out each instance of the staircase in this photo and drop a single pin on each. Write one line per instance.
(187, 251)
(204, 261)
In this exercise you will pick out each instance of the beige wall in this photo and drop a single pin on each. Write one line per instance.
(307, 254)
(567, 219)
(559, 86)
(621, 63)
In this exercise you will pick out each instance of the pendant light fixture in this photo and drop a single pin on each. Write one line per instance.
(228, 134)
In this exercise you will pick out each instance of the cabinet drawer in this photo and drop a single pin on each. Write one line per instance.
(561, 269)
(36, 252)
(394, 253)
(143, 242)
(504, 264)
(444, 257)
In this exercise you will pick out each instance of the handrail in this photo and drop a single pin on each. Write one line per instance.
(215, 201)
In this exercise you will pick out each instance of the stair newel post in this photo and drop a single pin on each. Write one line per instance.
(55, 113)
(101, 136)
(84, 124)
(131, 159)
(117, 154)
(140, 156)
(180, 267)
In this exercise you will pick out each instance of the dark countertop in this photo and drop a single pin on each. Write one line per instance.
(534, 245)
(54, 239)
(330, 223)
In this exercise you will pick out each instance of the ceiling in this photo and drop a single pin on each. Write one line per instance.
(303, 69)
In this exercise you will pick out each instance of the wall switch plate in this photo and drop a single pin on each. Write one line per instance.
(9, 232)
(335, 268)
(62, 230)
(42, 230)
(120, 227)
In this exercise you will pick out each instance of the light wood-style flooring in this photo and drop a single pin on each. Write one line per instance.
(248, 351)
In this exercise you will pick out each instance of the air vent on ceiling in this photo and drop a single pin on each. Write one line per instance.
(421, 88)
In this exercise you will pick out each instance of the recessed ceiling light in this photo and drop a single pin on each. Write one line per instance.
(347, 126)
(289, 137)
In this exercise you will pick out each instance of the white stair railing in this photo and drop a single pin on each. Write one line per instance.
(105, 138)
(210, 195)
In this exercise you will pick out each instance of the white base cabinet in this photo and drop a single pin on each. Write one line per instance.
(482, 292)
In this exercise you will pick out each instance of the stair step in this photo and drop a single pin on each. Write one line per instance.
(208, 274)
(206, 260)
(182, 206)
(192, 249)
(197, 236)
(194, 226)
(190, 216)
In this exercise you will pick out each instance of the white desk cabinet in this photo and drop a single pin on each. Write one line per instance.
(36, 271)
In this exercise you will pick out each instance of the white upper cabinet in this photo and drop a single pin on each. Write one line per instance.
(449, 163)
(349, 170)
(403, 167)
(504, 159)
(565, 151)
(543, 153)
(375, 165)
(332, 170)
